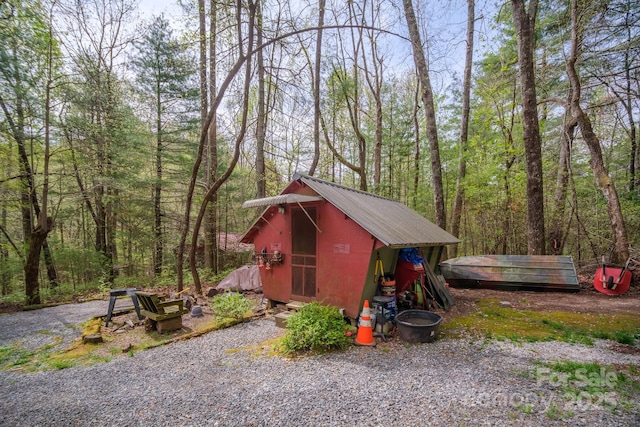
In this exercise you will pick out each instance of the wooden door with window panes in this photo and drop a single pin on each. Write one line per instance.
(303, 248)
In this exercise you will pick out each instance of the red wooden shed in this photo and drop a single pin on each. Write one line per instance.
(320, 241)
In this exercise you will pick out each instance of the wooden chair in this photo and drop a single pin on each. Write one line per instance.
(165, 314)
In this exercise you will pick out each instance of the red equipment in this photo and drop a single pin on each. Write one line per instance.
(612, 280)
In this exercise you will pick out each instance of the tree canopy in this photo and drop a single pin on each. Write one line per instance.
(131, 131)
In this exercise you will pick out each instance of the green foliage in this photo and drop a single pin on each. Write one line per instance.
(316, 327)
(163, 68)
(62, 364)
(78, 266)
(627, 337)
(11, 356)
(611, 385)
(117, 127)
(231, 305)
(169, 278)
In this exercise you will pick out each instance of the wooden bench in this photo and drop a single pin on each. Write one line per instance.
(165, 314)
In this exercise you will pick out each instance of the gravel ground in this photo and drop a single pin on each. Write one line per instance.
(54, 326)
(221, 379)
(51, 326)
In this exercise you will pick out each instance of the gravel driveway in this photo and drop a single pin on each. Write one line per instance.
(220, 379)
(51, 326)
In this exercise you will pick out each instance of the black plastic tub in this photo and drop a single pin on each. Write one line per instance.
(418, 325)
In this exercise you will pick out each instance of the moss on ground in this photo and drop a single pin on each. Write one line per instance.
(493, 320)
(15, 357)
(490, 320)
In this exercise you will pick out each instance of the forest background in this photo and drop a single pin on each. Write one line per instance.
(128, 143)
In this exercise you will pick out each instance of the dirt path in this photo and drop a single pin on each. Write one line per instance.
(585, 301)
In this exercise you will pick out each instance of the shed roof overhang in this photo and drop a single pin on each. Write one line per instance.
(281, 199)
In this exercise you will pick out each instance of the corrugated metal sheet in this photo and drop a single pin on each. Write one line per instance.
(391, 222)
(281, 199)
(512, 272)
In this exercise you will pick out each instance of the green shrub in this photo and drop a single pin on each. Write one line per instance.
(316, 327)
(625, 337)
(231, 305)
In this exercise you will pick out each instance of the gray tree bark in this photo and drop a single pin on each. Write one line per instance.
(603, 180)
(456, 214)
(430, 113)
(524, 21)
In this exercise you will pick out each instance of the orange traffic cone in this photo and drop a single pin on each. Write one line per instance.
(365, 331)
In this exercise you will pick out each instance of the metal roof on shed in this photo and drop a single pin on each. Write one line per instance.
(281, 199)
(391, 222)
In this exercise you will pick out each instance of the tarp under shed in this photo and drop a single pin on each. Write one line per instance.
(245, 278)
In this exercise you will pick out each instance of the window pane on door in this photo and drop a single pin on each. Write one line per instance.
(309, 282)
(303, 239)
(297, 287)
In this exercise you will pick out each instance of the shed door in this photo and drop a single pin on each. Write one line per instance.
(303, 257)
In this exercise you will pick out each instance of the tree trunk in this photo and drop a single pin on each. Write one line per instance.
(507, 125)
(157, 193)
(524, 22)
(17, 127)
(353, 110)
(634, 177)
(261, 119)
(239, 138)
(464, 127)
(507, 217)
(101, 194)
(316, 90)
(199, 157)
(39, 234)
(603, 180)
(52, 274)
(556, 233)
(211, 218)
(375, 86)
(354, 103)
(374, 76)
(5, 274)
(112, 221)
(209, 226)
(28, 196)
(194, 173)
(430, 113)
(202, 20)
(416, 145)
(45, 224)
(31, 266)
(634, 181)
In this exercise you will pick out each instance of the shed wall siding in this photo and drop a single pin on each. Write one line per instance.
(276, 283)
(344, 249)
(343, 253)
